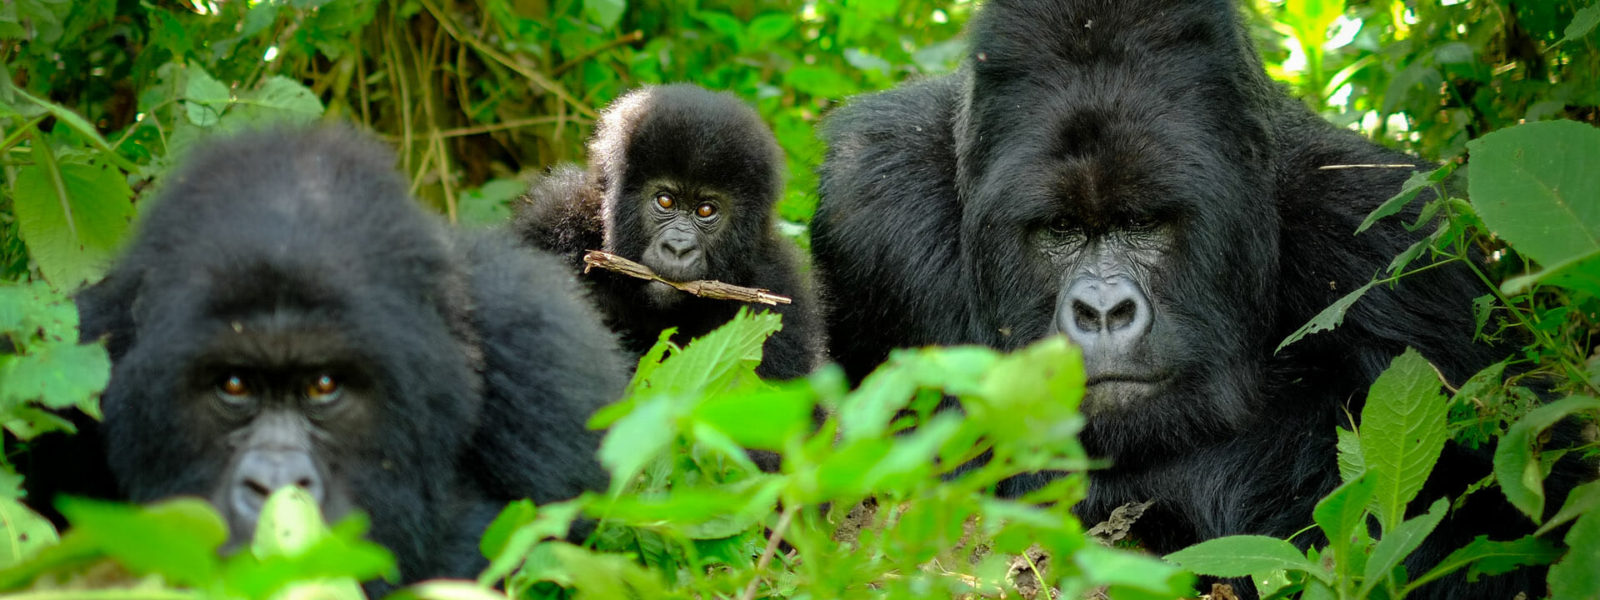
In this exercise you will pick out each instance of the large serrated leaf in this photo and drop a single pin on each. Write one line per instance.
(1402, 433)
(72, 214)
(1534, 185)
(1241, 555)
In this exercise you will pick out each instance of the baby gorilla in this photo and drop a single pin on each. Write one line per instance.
(288, 315)
(682, 180)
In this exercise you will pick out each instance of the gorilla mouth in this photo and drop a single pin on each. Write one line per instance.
(1150, 380)
(1117, 390)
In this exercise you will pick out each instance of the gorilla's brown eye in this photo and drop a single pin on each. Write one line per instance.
(232, 387)
(705, 210)
(1061, 225)
(664, 200)
(323, 389)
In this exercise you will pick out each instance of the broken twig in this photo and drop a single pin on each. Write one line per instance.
(704, 288)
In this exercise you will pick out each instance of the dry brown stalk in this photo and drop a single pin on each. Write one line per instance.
(704, 288)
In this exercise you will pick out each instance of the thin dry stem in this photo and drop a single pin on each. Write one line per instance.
(704, 288)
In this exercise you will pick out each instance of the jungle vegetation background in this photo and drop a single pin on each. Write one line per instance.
(100, 97)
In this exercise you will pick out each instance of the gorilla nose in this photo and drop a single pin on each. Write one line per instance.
(1104, 314)
(261, 471)
(678, 246)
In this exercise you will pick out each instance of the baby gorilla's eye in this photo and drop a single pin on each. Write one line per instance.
(705, 210)
(323, 390)
(232, 388)
(1062, 226)
(664, 200)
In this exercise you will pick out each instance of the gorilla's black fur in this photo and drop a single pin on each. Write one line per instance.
(1124, 172)
(696, 147)
(449, 372)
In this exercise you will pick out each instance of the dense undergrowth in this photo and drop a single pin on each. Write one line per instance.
(100, 98)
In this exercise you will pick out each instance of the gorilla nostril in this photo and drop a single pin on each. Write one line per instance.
(257, 488)
(1122, 315)
(1086, 318)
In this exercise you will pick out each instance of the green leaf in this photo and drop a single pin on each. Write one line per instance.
(1328, 319)
(177, 539)
(72, 214)
(1488, 557)
(767, 29)
(1351, 465)
(1534, 186)
(725, 25)
(819, 82)
(1343, 512)
(1516, 466)
(605, 13)
(636, 439)
(1402, 433)
(765, 419)
(278, 99)
(1127, 571)
(1578, 574)
(204, 97)
(1241, 555)
(1579, 274)
(25, 533)
(1582, 23)
(1581, 500)
(490, 204)
(1397, 543)
(1413, 186)
(290, 523)
(56, 374)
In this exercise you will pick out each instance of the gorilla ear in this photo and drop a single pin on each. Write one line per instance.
(110, 309)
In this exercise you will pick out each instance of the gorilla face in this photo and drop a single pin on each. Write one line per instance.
(695, 175)
(682, 223)
(1124, 225)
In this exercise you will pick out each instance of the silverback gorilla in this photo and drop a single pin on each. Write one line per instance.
(682, 180)
(287, 315)
(1124, 173)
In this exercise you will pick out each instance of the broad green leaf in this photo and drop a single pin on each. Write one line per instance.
(72, 214)
(1534, 186)
(712, 361)
(605, 13)
(726, 26)
(56, 375)
(1343, 512)
(1581, 500)
(763, 419)
(819, 82)
(1402, 433)
(1398, 542)
(706, 512)
(290, 523)
(1241, 555)
(1577, 575)
(177, 539)
(278, 99)
(441, 589)
(769, 28)
(513, 517)
(1127, 571)
(1487, 557)
(1582, 23)
(1515, 465)
(25, 532)
(1580, 274)
(204, 97)
(1351, 465)
(490, 204)
(525, 531)
(1328, 319)
(636, 439)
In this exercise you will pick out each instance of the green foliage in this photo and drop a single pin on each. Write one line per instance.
(100, 98)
